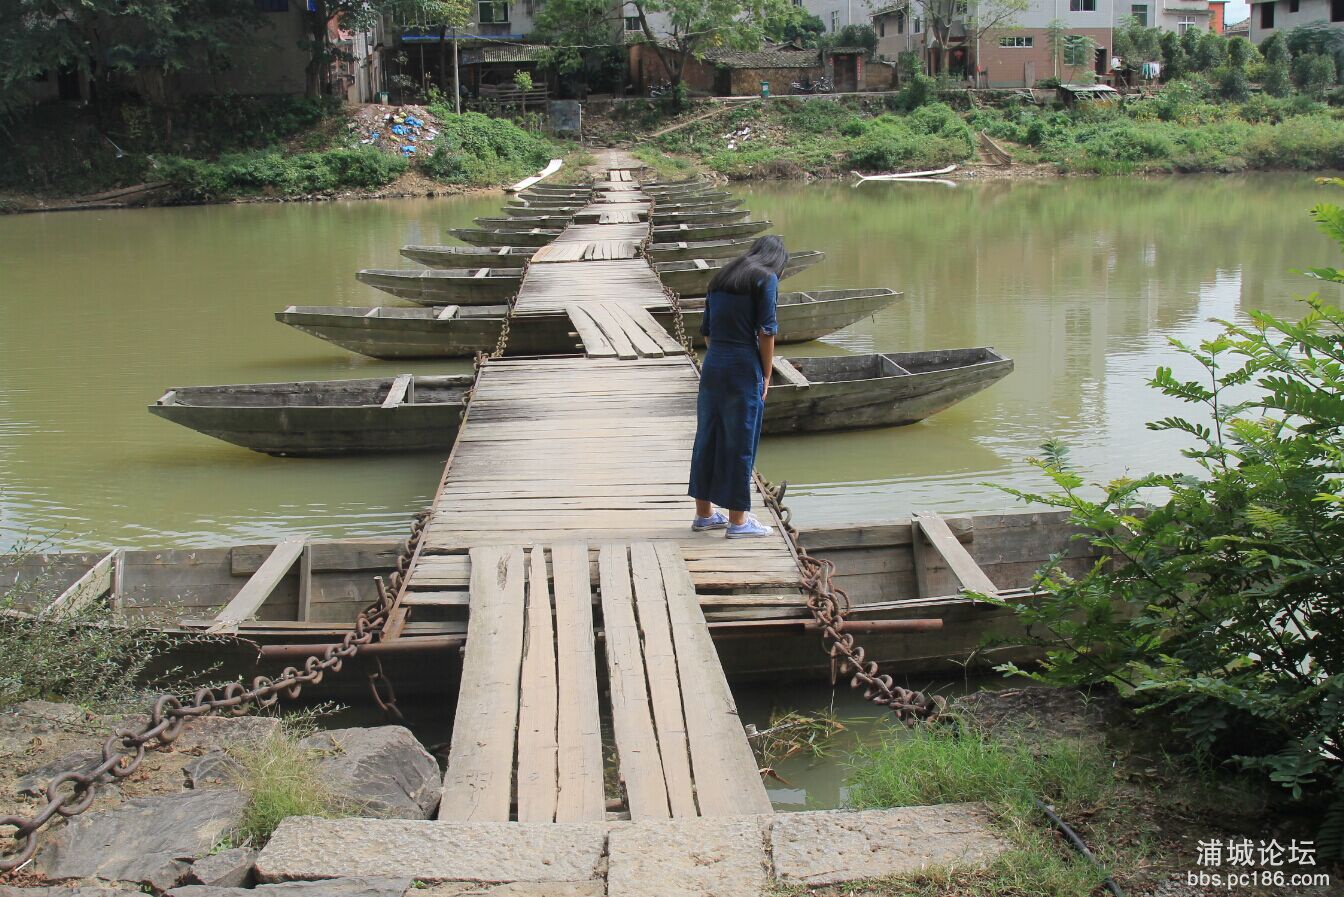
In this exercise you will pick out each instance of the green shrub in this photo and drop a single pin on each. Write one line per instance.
(820, 117)
(274, 173)
(1308, 143)
(933, 134)
(476, 149)
(1218, 606)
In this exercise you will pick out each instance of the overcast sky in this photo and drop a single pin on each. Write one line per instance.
(1237, 10)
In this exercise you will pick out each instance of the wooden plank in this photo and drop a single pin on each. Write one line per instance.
(641, 767)
(612, 328)
(642, 342)
(660, 662)
(537, 783)
(305, 583)
(791, 374)
(478, 784)
(939, 536)
(95, 582)
(594, 342)
(397, 394)
(483, 272)
(656, 331)
(727, 780)
(702, 265)
(578, 729)
(446, 312)
(256, 590)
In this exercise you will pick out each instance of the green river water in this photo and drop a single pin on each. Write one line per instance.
(1081, 282)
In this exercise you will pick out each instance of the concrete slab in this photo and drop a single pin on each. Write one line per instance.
(833, 847)
(708, 857)
(307, 848)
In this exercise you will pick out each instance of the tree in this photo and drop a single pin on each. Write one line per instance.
(1175, 63)
(697, 25)
(1211, 51)
(1277, 81)
(359, 15)
(1137, 44)
(940, 17)
(584, 36)
(1314, 74)
(155, 41)
(794, 23)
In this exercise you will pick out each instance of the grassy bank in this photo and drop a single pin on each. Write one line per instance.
(1181, 129)
(251, 147)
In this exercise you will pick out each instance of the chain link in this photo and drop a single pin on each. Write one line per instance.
(71, 793)
(829, 604)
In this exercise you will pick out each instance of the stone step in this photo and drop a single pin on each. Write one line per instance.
(742, 856)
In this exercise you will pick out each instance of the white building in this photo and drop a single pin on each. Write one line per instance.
(1284, 15)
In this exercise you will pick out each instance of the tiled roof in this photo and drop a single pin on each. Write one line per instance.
(762, 59)
(504, 53)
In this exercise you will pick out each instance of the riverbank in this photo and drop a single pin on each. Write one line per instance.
(1181, 129)
(269, 150)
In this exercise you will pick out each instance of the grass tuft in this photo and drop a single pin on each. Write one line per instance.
(282, 778)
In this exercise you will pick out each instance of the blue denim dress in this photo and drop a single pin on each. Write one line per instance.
(730, 407)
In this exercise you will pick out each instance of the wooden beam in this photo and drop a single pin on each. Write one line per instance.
(400, 387)
(791, 374)
(256, 590)
(95, 582)
(478, 784)
(578, 729)
(446, 312)
(537, 783)
(594, 342)
(641, 767)
(727, 779)
(938, 536)
(305, 583)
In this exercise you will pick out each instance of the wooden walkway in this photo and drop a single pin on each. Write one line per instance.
(565, 490)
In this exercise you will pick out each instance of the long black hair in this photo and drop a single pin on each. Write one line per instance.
(742, 275)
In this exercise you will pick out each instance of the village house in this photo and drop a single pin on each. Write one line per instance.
(1268, 18)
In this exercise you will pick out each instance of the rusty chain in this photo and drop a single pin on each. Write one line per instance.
(829, 604)
(71, 793)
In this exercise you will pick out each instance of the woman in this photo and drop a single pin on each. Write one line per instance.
(739, 329)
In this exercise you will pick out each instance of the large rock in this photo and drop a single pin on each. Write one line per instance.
(709, 857)
(834, 847)
(340, 887)
(230, 868)
(515, 889)
(34, 783)
(109, 890)
(383, 771)
(308, 848)
(150, 840)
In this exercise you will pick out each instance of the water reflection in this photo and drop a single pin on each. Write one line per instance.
(1081, 282)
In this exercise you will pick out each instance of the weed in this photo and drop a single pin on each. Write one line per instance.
(281, 778)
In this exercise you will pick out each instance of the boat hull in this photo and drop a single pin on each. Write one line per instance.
(937, 381)
(406, 333)
(477, 236)
(322, 418)
(467, 256)
(685, 279)
(439, 286)
(179, 591)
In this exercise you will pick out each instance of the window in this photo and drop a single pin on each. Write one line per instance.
(835, 20)
(1337, 10)
(919, 26)
(1186, 23)
(881, 27)
(1082, 5)
(1140, 13)
(1018, 42)
(1266, 15)
(493, 12)
(1076, 49)
(1293, 5)
(900, 22)
(632, 24)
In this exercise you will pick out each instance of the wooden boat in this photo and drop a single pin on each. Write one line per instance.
(846, 392)
(344, 417)
(518, 256)
(332, 417)
(674, 233)
(477, 236)
(692, 277)
(393, 332)
(718, 200)
(311, 590)
(468, 256)
(560, 221)
(446, 286)
(905, 175)
(668, 233)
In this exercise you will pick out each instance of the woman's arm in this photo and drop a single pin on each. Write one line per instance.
(766, 345)
(766, 328)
